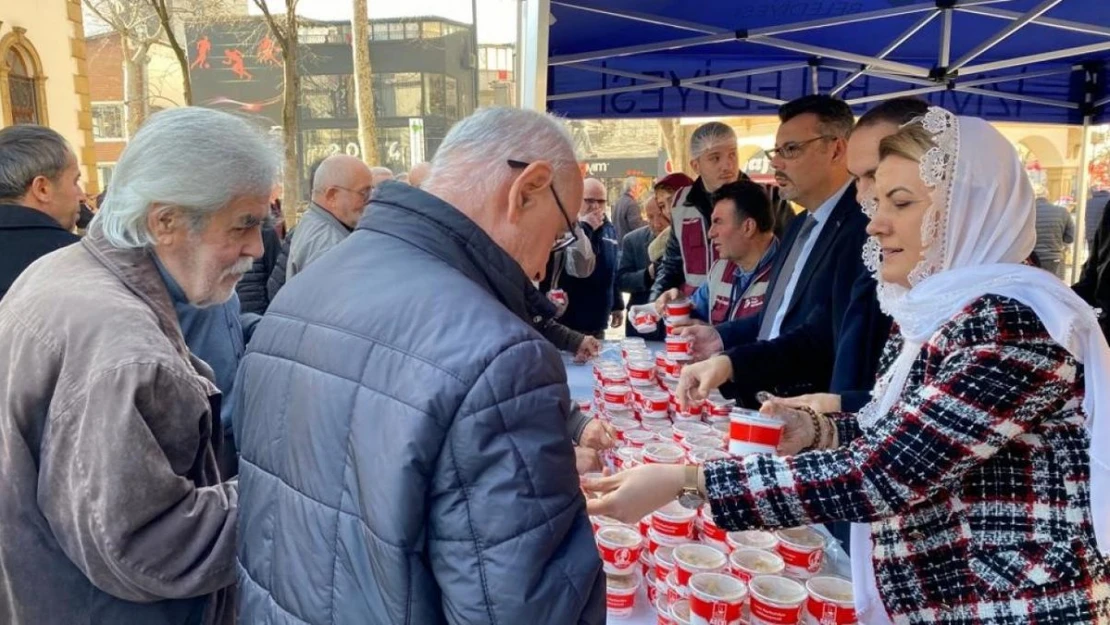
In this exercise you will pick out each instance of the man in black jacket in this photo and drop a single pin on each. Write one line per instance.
(40, 196)
(1094, 283)
(253, 293)
(636, 272)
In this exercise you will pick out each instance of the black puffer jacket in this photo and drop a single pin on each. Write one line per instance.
(277, 273)
(252, 289)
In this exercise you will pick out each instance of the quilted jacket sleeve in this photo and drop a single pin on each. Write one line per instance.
(978, 398)
(509, 540)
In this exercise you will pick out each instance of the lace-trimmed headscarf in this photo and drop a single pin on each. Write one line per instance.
(979, 229)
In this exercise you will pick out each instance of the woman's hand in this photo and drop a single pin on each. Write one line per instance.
(797, 433)
(700, 378)
(633, 494)
(821, 403)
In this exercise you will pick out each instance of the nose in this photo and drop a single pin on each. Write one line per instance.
(254, 246)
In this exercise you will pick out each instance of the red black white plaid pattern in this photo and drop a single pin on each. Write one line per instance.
(975, 485)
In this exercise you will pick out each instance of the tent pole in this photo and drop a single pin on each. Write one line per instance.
(1060, 53)
(1006, 31)
(945, 39)
(533, 41)
(1081, 202)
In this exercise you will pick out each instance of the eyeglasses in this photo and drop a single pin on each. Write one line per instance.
(570, 236)
(365, 194)
(793, 149)
(593, 202)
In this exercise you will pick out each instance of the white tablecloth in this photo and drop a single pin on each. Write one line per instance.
(580, 380)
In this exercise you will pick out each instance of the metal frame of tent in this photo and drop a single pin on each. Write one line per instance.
(957, 75)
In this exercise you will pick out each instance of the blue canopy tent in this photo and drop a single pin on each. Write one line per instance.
(1045, 61)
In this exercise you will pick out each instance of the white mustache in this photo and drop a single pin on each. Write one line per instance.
(241, 266)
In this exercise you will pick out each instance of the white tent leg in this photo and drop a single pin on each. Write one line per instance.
(536, 15)
(1081, 203)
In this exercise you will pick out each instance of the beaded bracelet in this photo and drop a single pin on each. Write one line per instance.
(821, 426)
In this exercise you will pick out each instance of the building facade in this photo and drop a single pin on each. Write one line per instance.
(423, 72)
(43, 74)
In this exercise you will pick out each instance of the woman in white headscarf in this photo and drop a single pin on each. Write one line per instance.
(978, 474)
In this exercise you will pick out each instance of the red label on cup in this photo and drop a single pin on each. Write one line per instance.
(623, 601)
(679, 308)
(621, 558)
(678, 345)
(716, 612)
(641, 372)
(712, 532)
(807, 558)
(773, 614)
(755, 433)
(616, 394)
(828, 613)
(672, 529)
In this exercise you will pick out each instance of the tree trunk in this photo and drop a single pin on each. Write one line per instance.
(364, 85)
(134, 63)
(162, 9)
(674, 141)
(291, 191)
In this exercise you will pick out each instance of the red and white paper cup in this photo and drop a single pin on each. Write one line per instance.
(647, 563)
(617, 395)
(661, 427)
(644, 319)
(664, 561)
(694, 558)
(598, 521)
(664, 453)
(628, 457)
(673, 521)
(684, 429)
(775, 600)
(748, 563)
(656, 404)
(752, 539)
(680, 347)
(620, 548)
(753, 433)
(803, 550)
(678, 310)
(662, 610)
(701, 455)
(680, 612)
(620, 594)
(718, 406)
(830, 602)
(557, 297)
(709, 528)
(639, 438)
(641, 372)
(675, 591)
(691, 443)
(716, 599)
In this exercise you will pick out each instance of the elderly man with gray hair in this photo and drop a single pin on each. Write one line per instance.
(113, 510)
(405, 457)
(627, 215)
(40, 195)
(341, 187)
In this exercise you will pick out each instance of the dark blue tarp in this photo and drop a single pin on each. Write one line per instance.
(1083, 80)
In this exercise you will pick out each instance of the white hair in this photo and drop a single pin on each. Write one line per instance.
(629, 184)
(476, 151)
(193, 159)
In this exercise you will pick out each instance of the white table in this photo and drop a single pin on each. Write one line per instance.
(581, 382)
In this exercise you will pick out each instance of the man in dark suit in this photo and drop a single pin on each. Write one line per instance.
(40, 197)
(820, 249)
(636, 272)
(1094, 282)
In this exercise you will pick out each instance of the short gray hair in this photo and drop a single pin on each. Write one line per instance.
(708, 135)
(629, 184)
(475, 152)
(194, 159)
(27, 152)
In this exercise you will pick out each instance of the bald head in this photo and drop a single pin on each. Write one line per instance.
(342, 186)
(381, 174)
(419, 173)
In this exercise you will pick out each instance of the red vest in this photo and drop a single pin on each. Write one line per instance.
(692, 231)
(750, 302)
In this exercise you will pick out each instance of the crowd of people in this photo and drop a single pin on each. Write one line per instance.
(366, 419)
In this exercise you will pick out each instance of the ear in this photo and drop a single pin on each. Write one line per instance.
(525, 192)
(40, 189)
(694, 166)
(840, 150)
(164, 222)
(749, 227)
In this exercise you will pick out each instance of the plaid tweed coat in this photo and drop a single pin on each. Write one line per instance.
(975, 485)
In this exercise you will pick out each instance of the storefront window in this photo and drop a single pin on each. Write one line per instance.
(433, 29)
(412, 30)
(328, 96)
(316, 145)
(394, 148)
(451, 101)
(436, 90)
(398, 95)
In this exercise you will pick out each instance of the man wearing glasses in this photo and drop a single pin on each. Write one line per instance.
(340, 191)
(404, 432)
(593, 301)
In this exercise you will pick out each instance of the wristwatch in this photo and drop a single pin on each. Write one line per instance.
(691, 496)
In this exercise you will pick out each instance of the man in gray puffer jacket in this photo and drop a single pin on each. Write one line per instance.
(405, 457)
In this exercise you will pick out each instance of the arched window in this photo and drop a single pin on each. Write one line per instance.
(22, 83)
